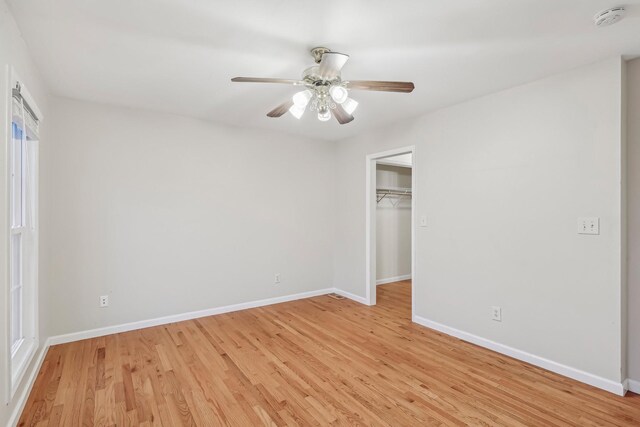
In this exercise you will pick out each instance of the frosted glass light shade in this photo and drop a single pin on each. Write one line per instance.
(301, 99)
(350, 105)
(324, 114)
(297, 111)
(339, 94)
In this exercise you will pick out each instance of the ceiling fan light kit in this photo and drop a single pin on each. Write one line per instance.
(325, 92)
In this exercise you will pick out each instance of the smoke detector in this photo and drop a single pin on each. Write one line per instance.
(609, 16)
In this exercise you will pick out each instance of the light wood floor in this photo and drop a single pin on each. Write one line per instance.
(317, 361)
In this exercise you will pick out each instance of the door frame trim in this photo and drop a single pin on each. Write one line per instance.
(370, 232)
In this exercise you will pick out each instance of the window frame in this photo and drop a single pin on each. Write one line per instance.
(22, 352)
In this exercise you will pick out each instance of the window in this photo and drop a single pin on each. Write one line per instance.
(23, 235)
(18, 181)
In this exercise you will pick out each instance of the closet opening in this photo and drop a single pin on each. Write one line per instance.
(390, 229)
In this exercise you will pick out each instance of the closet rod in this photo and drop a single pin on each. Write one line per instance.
(381, 193)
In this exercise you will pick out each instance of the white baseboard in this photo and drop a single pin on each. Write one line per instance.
(393, 279)
(550, 365)
(633, 385)
(356, 298)
(30, 380)
(126, 327)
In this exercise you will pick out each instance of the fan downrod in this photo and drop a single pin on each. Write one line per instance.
(317, 53)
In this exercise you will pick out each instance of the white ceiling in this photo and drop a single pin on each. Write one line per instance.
(178, 55)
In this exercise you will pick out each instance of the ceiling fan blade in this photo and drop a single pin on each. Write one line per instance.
(341, 115)
(404, 87)
(331, 64)
(266, 80)
(280, 109)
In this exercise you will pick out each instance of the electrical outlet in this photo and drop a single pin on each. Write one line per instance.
(104, 301)
(496, 313)
(277, 279)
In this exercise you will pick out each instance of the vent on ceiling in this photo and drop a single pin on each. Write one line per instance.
(609, 16)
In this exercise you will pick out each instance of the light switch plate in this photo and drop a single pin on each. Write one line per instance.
(589, 225)
(423, 221)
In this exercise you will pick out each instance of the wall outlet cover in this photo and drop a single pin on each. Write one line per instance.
(104, 301)
(496, 313)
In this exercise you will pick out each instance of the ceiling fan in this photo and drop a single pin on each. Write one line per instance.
(325, 91)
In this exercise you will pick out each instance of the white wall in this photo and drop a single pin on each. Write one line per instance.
(13, 52)
(393, 225)
(168, 215)
(502, 180)
(633, 216)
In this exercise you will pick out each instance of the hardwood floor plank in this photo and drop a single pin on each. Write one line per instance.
(318, 361)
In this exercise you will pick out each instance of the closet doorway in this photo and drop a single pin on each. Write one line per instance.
(391, 201)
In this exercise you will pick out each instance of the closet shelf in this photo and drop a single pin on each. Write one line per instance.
(381, 193)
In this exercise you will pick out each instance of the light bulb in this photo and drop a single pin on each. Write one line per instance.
(324, 114)
(301, 99)
(350, 105)
(297, 111)
(338, 93)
